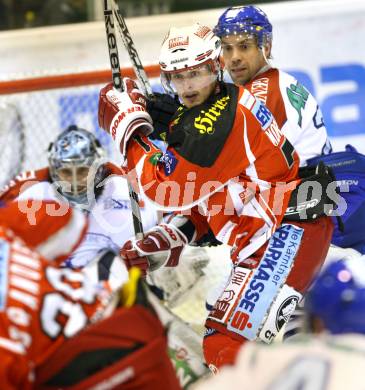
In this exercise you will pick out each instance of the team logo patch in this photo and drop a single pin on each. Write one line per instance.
(285, 311)
(169, 162)
(155, 158)
(4, 259)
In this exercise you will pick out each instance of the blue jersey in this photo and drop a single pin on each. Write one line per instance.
(349, 169)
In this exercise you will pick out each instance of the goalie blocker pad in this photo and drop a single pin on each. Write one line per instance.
(126, 350)
(257, 303)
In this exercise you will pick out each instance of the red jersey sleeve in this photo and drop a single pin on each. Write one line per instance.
(21, 182)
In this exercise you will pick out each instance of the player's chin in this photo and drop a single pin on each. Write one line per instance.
(240, 77)
(192, 100)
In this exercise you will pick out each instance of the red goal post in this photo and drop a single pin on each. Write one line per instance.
(69, 80)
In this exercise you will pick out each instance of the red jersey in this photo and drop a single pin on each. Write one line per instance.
(41, 305)
(295, 110)
(227, 165)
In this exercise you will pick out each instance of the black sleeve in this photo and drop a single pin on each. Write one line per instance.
(162, 108)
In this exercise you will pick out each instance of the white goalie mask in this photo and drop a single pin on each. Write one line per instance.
(70, 158)
(189, 49)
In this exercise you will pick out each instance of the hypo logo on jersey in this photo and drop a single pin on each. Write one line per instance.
(298, 96)
(268, 123)
(155, 158)
(180, 359)
(262, 114)
(265, 282)
(169, 162)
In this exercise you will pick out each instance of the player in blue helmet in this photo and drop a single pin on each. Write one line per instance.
(246, 34)
(249, 19)
(336, 301)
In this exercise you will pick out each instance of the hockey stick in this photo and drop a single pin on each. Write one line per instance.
(117, 82)
(132, 52)
(184, 344)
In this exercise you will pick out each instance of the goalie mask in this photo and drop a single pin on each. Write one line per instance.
(189, 54)
(70, 158)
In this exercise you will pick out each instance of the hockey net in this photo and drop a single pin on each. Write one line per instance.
(35, 110)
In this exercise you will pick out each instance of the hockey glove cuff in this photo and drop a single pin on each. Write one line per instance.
(162, 245)
(123, 113)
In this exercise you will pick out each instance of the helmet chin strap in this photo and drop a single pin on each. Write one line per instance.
(264, 54)
(265, 67)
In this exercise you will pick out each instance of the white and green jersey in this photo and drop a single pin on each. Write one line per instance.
(311, 363)
(295, 110)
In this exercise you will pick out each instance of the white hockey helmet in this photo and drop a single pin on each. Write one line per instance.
(186, 48)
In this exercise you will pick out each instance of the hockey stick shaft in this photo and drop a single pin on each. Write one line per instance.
(132, 51)
(118, 84)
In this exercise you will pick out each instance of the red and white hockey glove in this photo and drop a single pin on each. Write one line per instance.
(162, 245)
(123, 113)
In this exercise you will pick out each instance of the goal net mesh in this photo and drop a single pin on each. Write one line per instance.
(45, 106)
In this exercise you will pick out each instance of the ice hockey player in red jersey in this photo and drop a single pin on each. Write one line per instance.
(29, 327)
(228, 167)
(247, 34)
(62, 328)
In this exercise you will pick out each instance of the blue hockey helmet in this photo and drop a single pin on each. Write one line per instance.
(338, 296)
(70, 158)
(245, 19)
